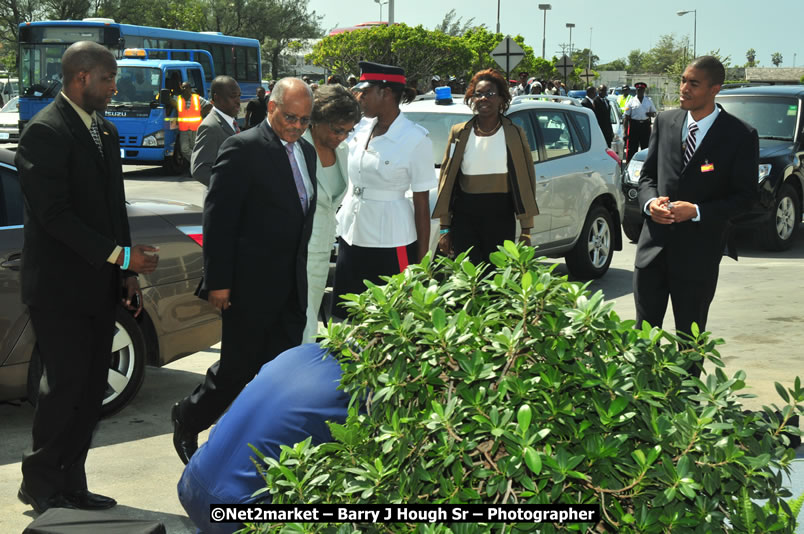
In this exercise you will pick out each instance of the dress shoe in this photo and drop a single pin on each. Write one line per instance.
(41, 505)
(184, 441)
(86, 500)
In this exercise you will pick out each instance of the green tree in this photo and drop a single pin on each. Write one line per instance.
(12, 13)
(174, 14)
(617, 64)
(580, 58)
(636, 59)
(751, 57)
(419, 51)
(454, 25)
(66, 9)
(663, 54)
(776, 59)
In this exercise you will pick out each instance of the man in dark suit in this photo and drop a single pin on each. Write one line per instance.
(603, 113)
(700, 172)
(77, 263)
(216, 127)
(257, 221)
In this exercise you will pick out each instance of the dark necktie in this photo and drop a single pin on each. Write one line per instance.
(297, 176)
(93, 130)
(236, 126)
(689, 149)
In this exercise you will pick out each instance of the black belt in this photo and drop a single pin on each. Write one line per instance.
(640, 121)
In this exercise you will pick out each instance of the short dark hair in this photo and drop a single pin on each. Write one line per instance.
(489, 75)
(712, 66)
(220, 84)
(84, 56)
(333, 103)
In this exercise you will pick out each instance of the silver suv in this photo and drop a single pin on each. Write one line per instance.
(577, 176)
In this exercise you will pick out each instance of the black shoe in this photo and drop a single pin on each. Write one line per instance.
(40, 506)
(185, 442)
(86, 500)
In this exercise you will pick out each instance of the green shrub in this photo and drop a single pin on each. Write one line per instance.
(509, 384)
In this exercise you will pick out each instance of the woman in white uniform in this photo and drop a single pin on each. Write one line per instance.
(335, 113)
(382, 231)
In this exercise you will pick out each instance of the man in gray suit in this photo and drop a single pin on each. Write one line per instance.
(219, 124)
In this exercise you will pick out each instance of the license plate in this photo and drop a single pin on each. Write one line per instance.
(4, 135)
(123, 153)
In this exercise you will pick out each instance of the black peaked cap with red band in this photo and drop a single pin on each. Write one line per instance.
(377, 73)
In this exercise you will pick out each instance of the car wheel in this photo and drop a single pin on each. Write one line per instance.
(127, 368)
(782, 225)
(632, 230)
(591, 256)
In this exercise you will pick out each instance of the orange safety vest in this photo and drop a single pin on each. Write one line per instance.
(189, 118)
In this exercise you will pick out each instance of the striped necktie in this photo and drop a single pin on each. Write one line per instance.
(93, 130)
(297, 176)
(689, 146)
(236, 126)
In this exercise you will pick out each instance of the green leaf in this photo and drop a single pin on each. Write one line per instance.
(617, 405)
(523, 417)
(527, 281)
(533, 460)
(781, 391)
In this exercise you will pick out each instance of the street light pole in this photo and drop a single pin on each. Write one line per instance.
(545, 8)
(380, 2)
(498, 16)
(570, 25)
(589, 67)
(694, 29)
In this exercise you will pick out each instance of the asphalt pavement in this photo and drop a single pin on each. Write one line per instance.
(758, 310)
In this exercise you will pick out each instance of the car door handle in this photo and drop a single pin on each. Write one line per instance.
(14, 262)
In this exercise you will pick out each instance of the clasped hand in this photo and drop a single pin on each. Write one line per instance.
(662, 211)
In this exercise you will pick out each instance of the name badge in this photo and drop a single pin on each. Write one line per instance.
(707, 167)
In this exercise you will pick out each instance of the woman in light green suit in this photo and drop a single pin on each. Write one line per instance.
(335, 113)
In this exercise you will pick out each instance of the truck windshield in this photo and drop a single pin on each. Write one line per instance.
(137, 85)
(773, 117)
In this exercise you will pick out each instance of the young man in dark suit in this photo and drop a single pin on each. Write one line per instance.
(258, 218)
(77, 263)
(216, 127)
(699, 174)
(603, 113)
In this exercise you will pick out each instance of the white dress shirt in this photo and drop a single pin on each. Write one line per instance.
(639, 110)
(376, 212)
(229, 120)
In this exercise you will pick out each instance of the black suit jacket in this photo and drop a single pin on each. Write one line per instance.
(721, 178)
(255, 232)
(75, 211)
(603, 116)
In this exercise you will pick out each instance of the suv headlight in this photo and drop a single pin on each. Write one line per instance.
(633, 171)
(156, 139)
(764, 171)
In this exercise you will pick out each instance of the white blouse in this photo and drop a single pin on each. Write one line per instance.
(485, 155)
(376, 212)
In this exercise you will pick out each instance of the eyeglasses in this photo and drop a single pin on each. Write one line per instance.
(486, 94)
(340, 132)
(293, 119)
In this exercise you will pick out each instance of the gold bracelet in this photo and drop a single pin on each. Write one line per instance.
(525, 235)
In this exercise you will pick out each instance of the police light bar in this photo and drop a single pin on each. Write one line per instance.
(134, 53)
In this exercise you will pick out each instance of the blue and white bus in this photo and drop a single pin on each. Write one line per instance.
(43, 43)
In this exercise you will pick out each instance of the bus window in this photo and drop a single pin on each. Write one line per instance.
(252, 65)
(240, 59)
(217, 57)
(196, 81)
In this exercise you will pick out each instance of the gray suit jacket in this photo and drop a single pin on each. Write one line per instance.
(211, 134)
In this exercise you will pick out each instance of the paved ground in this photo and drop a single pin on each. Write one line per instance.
(759, 311)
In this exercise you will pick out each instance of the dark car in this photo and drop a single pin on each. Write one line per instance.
(174, 322)
(776, 113)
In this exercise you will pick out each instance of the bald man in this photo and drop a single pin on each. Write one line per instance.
(258, 218)
(77, 261)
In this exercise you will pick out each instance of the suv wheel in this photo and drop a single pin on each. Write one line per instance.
(781, 226)
(591, 256)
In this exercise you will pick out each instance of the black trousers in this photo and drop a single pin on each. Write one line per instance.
(482, 222)
(250, 339)
(638, 136)
(75, 350)
(356, 264)
(691, 298)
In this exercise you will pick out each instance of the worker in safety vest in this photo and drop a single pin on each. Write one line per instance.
(625, 96)
(189, 106)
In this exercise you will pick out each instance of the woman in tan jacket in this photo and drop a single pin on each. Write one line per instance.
(487, 177)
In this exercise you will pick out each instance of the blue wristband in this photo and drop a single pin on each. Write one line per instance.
(126, 257)
(444, 231)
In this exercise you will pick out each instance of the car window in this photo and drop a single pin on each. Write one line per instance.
(11, 194)
(773, 117)
(439, 125)
(522, 120)
(555, 132)
(12, 106)
(583, 131)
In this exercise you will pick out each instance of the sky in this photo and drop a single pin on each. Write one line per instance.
(615, 28)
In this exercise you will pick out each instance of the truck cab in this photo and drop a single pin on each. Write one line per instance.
(143, 109)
